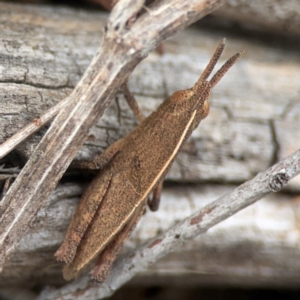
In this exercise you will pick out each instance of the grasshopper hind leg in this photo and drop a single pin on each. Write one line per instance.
(100, 272)
(84, 213)
(89, 202)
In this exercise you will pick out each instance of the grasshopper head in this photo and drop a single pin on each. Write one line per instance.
(196, 98)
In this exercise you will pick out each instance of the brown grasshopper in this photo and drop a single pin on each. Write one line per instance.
(131, 168)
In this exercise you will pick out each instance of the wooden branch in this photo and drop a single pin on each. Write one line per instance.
(274, 16)
(120, 52)
(125, 268)
(29, 129)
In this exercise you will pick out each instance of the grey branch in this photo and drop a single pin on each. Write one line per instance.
(31, 128)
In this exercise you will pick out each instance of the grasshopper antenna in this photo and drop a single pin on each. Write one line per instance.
(213, 61)
(229, 63)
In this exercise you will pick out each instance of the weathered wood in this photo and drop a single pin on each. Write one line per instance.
(253, 120)
(182, 232)
(169, 240)
(282, 17)
(126, 42)
(239, 138)
(252, 248)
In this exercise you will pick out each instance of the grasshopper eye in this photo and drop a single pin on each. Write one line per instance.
(205, 109)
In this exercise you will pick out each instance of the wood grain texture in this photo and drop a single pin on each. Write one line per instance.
(276, 16)
(124, 45)
(257, 247)
(253, 121)
(238, 139)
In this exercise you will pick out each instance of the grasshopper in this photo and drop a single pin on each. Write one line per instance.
(130, 169)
